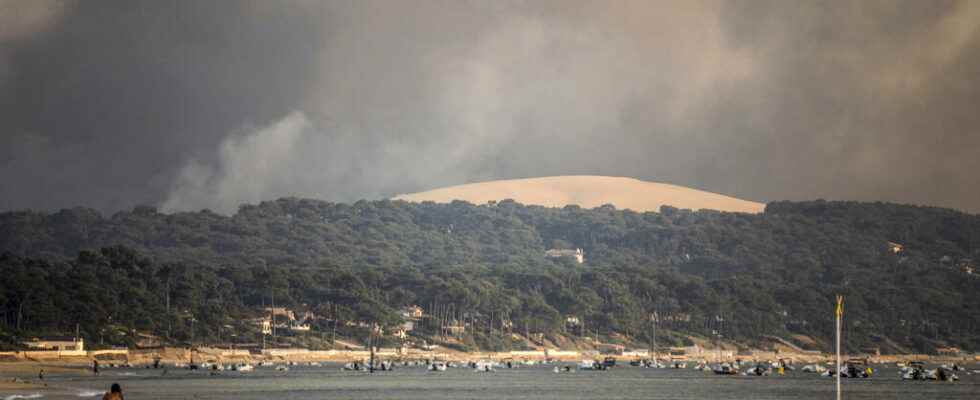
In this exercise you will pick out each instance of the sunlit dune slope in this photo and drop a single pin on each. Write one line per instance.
(587, 192)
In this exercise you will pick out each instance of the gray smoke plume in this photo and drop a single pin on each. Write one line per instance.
(208, 105)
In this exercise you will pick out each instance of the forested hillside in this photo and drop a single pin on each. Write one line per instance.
(738, 275)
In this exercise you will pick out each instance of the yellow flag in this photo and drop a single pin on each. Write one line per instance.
(839, 311)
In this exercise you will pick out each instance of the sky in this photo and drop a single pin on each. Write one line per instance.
(189, 105)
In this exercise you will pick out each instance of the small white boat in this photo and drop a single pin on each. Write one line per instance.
(483, 366)
(354, 366)
(282, 368)
(758, 370)
(437, 366)
(245, 368)
(590, 365)
(814, 368)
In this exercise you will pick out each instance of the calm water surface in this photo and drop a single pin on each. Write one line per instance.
(540, 382)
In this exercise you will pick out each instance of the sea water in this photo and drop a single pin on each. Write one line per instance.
(538, 382)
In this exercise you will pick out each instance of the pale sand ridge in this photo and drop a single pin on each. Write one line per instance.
(587, 192)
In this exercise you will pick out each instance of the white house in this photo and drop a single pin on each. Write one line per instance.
(577, 254)
(61, 344)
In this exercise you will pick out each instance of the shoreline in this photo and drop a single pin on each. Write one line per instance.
(170, 356)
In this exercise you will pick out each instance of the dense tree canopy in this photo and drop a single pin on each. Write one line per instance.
(190, 275)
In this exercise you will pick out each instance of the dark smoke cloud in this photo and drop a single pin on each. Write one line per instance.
(210, 104)
(102, 106)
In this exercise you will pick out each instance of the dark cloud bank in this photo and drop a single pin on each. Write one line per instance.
(194, 105)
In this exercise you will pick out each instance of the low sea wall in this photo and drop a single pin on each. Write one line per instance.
(184, 355)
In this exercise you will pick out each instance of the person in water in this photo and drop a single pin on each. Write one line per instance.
(115, 393)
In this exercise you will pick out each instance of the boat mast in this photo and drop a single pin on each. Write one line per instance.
(371, 345)
(273, 295)
(655, 316)
(838, 314)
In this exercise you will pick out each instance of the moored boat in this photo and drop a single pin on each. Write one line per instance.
(591, 365)
(437, 366)
(725, 369)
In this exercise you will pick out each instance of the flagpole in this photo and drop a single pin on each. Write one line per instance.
(838, 313)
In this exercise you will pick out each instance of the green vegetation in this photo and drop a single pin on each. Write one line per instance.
(199, 276)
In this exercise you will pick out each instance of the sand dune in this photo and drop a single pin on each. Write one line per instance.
(587, 192)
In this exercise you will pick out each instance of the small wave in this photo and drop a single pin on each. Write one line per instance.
(23, 396)
(90, 393)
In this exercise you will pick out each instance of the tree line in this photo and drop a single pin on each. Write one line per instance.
(199, 276)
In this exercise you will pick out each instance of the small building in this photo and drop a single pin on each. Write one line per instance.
(281, 312)
(303, 323)
(678, 354)
(637, 353)
(669, 317)
(413, 312)
(455, 328)
(577, 254)
(299, 327)
(572, 320)
(610, 348)
(146, 340)
(56, 343)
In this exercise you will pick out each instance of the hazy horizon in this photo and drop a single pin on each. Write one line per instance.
(191, 105)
